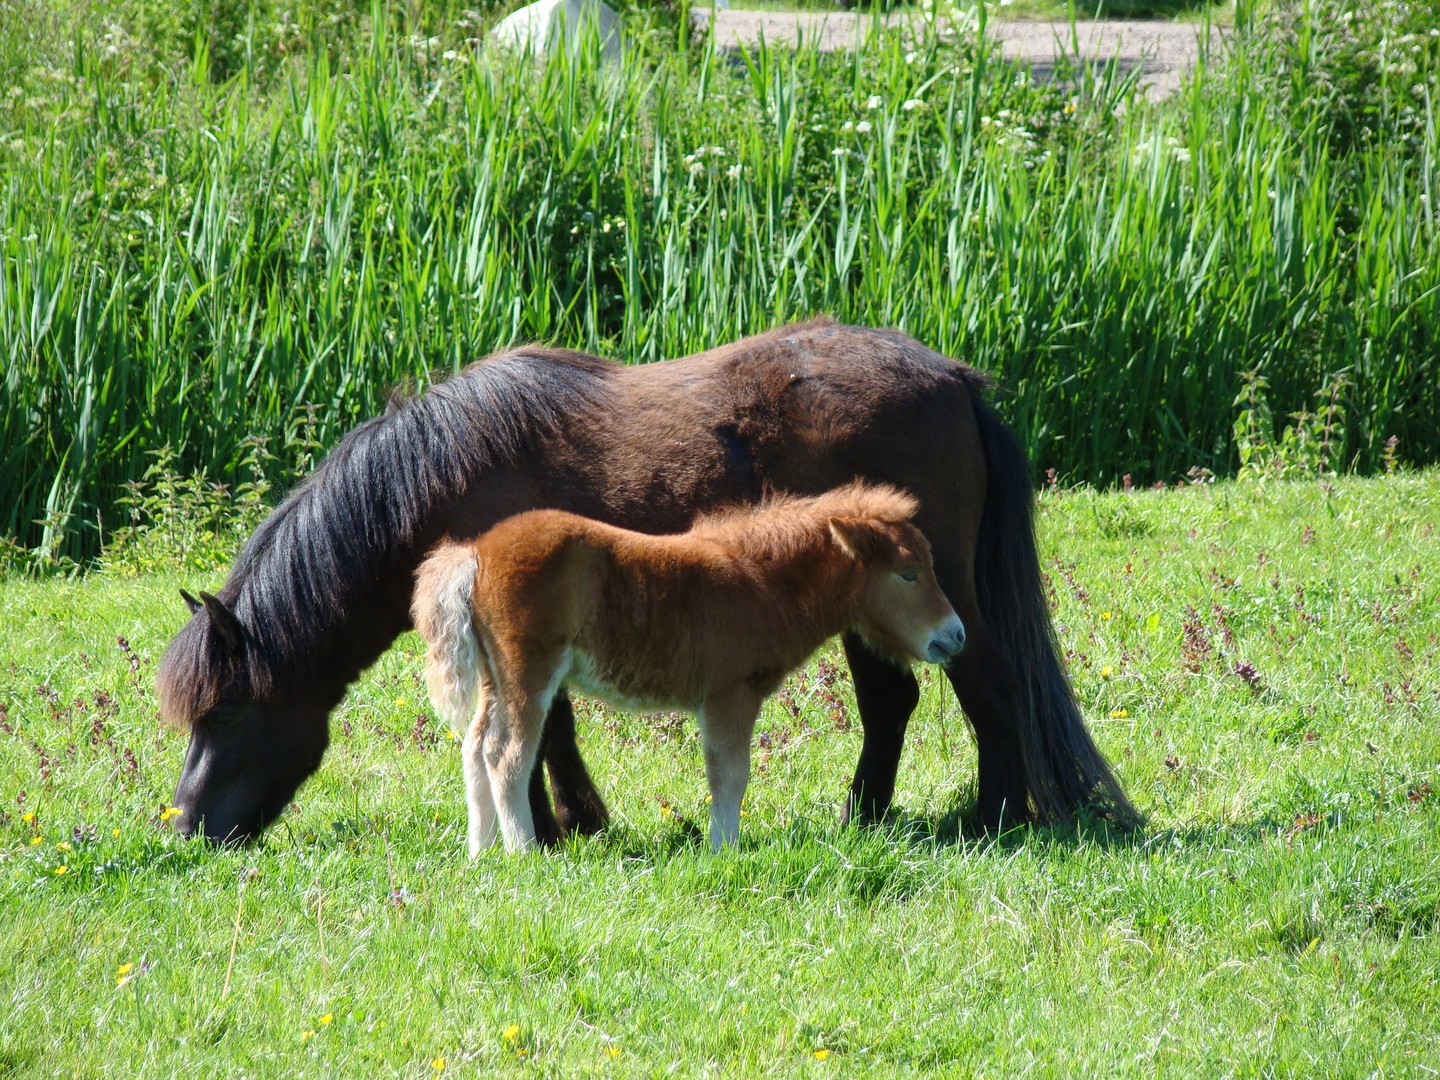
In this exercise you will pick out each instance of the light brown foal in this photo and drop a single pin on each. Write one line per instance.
(709, 621)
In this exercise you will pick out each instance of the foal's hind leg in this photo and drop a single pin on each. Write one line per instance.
(887, 694)
(481, 803)
(512, 742)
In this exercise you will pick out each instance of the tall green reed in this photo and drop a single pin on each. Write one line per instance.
(192, 263)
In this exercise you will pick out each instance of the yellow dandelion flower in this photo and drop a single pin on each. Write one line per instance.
(124, 969)
(1106, 615)
(1119, 714)
(306, 1035)
(328, 1018)
(62, 869)
(63, 845)
(612, 1051)
(28, 817)
(438, 1064)
(821, 1054)
(169, 812)
(114, 832)
(511, 1033)
(36, 840)
(1106, 671)
(400, 703)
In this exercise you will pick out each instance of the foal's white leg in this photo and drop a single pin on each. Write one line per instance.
(512, 743)
(510, 762)
(477, 786)
(726, 724)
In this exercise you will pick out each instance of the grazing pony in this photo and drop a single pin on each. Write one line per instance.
(324, 585)
(710, 621)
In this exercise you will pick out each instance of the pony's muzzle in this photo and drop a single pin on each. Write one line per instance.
(947, 641)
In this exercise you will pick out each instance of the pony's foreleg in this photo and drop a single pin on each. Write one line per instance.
(726, 723)
(886, 694)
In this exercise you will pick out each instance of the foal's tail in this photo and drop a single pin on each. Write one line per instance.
(442, 613)
(1064, 771)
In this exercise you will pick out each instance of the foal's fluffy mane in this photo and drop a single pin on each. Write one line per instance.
(311, 562)
(781, 523)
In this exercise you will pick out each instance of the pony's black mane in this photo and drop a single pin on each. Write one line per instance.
(374, 498)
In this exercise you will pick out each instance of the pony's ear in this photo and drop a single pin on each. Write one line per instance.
(223, 621)
(190, 602)
(857, 537)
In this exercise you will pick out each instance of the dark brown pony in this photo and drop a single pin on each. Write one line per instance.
(710, 620)
(324, 585)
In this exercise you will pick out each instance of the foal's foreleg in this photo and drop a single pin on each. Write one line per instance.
(727, 722)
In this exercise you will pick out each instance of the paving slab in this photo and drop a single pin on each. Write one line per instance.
(1161, 51)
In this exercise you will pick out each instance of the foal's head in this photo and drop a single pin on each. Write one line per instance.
(903, 613)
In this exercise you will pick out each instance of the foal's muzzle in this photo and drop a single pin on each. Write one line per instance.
(947, 641)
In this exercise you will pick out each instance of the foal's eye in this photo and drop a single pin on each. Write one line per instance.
(910, 577)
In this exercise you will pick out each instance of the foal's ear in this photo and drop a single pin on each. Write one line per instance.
(857, 537)
(223, 621)
(190, 602)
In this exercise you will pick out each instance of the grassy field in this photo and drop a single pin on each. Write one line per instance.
(254, 226)
(1258, 659)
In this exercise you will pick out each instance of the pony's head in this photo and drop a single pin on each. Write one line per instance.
(903, 613)
(250, 747)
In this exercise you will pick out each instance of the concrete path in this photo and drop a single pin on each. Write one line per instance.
(1162, 51)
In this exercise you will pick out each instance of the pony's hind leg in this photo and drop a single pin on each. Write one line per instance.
(886, 694)
(578, 805)
(726, 723)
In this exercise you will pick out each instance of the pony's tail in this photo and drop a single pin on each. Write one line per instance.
(1065, 773)
(443, 614)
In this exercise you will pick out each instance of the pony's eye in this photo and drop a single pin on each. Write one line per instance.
(223, 716)
(910, 577)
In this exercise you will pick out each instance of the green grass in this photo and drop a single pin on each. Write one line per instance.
(259, 234)
(1277, 916)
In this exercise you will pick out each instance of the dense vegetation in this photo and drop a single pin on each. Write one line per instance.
(224, 223)
(1258, 659)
